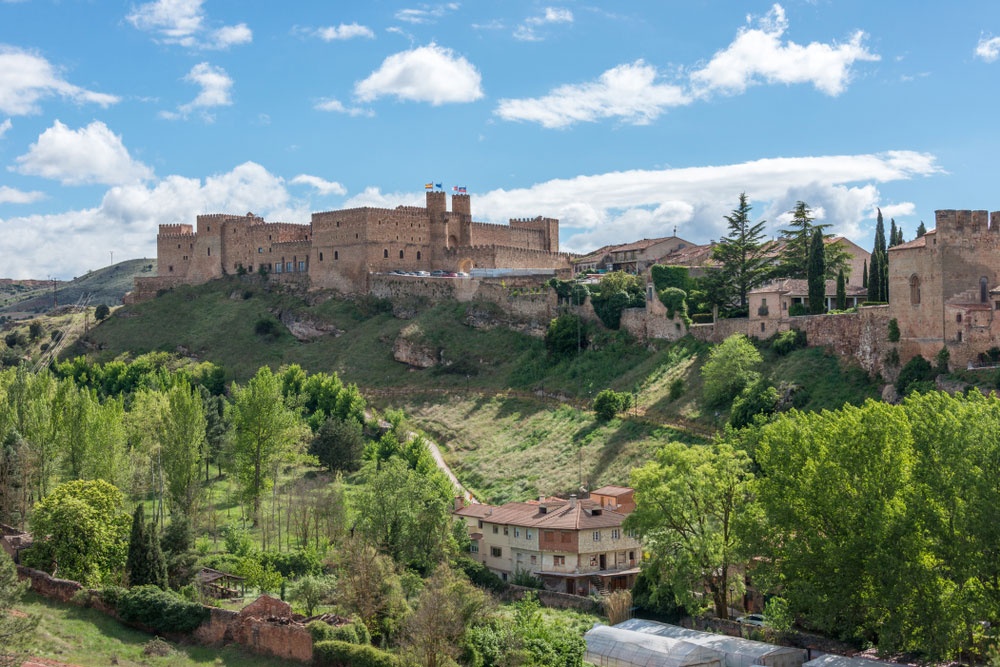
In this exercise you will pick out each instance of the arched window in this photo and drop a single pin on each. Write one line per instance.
(983, 290)
(385, 253)
(914, 289)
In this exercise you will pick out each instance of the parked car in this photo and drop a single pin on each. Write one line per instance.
(421, 273)
(438, 273)
(461, 274)
(753, 619)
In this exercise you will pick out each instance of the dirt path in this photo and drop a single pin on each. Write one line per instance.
(436, 453)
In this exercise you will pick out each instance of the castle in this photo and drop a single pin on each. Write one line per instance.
(342, 249)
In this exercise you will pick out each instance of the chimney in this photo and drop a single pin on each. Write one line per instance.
(541, 499)
(572, 500)
(459, 502)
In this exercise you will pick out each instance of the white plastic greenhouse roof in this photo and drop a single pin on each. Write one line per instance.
(737, 652)
(831, 660)
(615, 647)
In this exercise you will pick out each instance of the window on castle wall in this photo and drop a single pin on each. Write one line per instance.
(959, 337)
(385, 253)
(170, 269)
(302, 266)
(418, 254)
(958, 318)
(209, 252)
(983, 289)
(321, 257)
(914, 290)
(336, 254)
(401, 254)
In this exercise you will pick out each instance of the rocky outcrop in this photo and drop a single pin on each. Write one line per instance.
(414, 353)
(306, 329)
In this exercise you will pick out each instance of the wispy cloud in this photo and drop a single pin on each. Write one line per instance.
(426, 13)
(528, 30)
(26, 78)
(183, 22)
(343, 31)
(9, 195)
(336, 106)
(425, 74)
(322, 186)
(92, 154)
(4, 126)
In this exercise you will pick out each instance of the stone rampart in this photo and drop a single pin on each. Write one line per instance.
(645, 325)
(48, 586)
(862, 335)
(555, 599)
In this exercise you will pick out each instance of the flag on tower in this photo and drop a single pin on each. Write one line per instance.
(438, 186)
(458, 188)
(428, 186)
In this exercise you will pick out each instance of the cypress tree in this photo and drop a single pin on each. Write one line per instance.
(875, 278)
(137, 563)
(892, 232)
(841, 290)
(816, 274)
(864, 275)
(921, 230)
(157, 561)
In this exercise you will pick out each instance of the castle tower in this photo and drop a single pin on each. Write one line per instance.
(437, 210)
(461, 207)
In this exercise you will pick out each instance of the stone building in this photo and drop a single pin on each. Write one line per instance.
(944, 288)
(341, 249)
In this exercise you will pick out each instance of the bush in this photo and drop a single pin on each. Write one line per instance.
(676, 389)
(15, 339)
(609, 403)
(35, 330)
(893, 331)
(731, 366)
(942, 359)
(797, 309)
(759, 398)
(702, 318)
(670, 276)
(479, 574)
(566, 334)
(342, 654)
(267, 327)
(892, 358)
(101, 312)
(787, 341)
(159, 610)
(917, 375)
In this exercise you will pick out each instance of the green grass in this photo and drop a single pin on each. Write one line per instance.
(80, 636)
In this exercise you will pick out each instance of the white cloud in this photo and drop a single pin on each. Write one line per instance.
(629, 92)
(127, 219)
(426, 13)
(92, 154)
(759, 55)
(374, 197)
(215, 92)
(344, 31)
(425, 74)
(26, 78)
(988, 48)
(9, 195)
(337, 106)
(4, 126)
(183, 22)
(322, 186)
(526, 31)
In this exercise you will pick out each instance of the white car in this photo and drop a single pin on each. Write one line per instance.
(753, 619)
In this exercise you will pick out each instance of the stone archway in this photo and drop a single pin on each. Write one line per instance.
(466, 265)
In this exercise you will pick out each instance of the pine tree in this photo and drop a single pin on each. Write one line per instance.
(793, 261)
(921, 230)
(841, 290)
(816, 275)
(741, 255)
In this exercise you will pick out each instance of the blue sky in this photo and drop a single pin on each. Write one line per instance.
(623, 119)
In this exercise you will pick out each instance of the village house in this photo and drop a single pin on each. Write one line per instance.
(633, 257)
(574, 546)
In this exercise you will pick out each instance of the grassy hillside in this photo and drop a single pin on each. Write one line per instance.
(21, 299)
(500, 404)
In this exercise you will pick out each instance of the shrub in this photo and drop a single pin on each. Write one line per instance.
(893, 331)
(917, 375)
(101, 312)
(787, 341)
(526, 579)
(892, 358)
(759, 398)
(15, 339)
(609, 403)
(566, 334)
(342, 654)
(731, 366)
(35, 330)
(479, 574)
(702, 318)
(159, 610)
(267, 327)
(797, 309)
(942, 359)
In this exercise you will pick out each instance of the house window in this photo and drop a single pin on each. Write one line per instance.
(505, 530)
(534, 559)
(289, 267)
(597, 536)
(480, 523)
(170, 269)
(958, 318)
(302, 266)
(474, 548)
(496, 552)
(210, 252)
(496, 530)
(559, 560)
(277, 267)
(260, 250)
(631, 555)
(616, 533)
(517, 532)
(527, 534)
(385, 253)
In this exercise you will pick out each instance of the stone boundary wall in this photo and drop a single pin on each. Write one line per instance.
(554, 599)
(265, 626)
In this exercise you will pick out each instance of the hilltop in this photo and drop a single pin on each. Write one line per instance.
(496, 400)
(21, 299)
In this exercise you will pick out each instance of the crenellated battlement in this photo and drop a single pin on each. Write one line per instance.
(176, 230)
(965, 222)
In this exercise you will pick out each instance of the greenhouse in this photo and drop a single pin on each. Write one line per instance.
(736, 651)
(615, 647)
(831, 660)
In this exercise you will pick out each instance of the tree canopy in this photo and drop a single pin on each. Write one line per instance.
(744, 264)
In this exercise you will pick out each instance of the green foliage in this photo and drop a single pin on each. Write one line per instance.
(841, 290)
(295, 563)
(893, 331)
(567, 335)
(101, 312)
(338, 654)
(816, 274)
(744, 264)
(16, 630)
(689, 498)
(35, 330)
(678, 277)
(16, 339)
(941, 360)
(778, 615)
(916, 375)
(311, 591)
(892, 358)
(731, 366)
(758, 398)
(339, 444)
(787, 341)
(608, 403)
(145, 563)
(675, 301)
(267, 328)
(479, 574)
(797, 309)
(160, 610)
(616, 292)
(82, 530)
(676, 389)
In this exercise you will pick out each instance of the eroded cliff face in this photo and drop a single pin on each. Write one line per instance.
(306, 328)
(411, 350)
